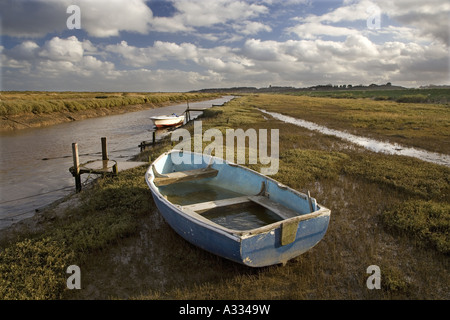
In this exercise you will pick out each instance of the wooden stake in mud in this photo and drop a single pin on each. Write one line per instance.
(187, 113)
(76, 167)
(104, 149)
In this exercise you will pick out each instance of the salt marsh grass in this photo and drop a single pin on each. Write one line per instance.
(13, 103)
(435, 95)
(424, 126)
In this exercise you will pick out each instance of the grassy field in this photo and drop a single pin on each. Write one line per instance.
(425, 126)
(18, 102)
(434, 95)
(23, 109)
(389, 211)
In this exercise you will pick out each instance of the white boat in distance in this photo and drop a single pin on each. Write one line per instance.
(168, 120)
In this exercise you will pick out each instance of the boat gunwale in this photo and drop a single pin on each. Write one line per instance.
(238, 234)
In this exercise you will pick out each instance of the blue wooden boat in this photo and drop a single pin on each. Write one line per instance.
(234, 212)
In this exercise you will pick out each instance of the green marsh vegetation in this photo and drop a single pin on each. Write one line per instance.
(390, 211)
(432, 95)
(421, 125)
(20, 110)
(19, 102)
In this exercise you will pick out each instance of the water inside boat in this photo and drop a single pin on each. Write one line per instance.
(238, 217)
(243, 217)
(190, 192)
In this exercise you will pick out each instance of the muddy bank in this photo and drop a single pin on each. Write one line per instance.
(42, 220)
(31, 120)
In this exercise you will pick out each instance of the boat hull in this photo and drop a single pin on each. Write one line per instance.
(200, 235)
(266, 248)
(167, 121)
(257, 247)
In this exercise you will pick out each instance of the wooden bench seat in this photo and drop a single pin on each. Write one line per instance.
(280, 210)
(203, 206)
(180, 176)
(273, 206)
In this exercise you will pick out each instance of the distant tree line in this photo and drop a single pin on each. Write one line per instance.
(319, 87)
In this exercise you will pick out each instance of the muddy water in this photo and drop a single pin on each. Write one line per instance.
(34, 163)
(370, 144)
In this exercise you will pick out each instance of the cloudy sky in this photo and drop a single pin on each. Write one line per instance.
(182, 45)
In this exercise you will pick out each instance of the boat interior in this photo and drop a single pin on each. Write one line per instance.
(220, 197)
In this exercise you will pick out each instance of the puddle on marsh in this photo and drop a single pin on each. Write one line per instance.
(370, 144)
(240, 217)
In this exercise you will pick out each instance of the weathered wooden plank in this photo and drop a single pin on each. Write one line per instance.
(180, 176)
(289, 231)
(275, 207)
(104, 166)
(98, 166)
(203, 206)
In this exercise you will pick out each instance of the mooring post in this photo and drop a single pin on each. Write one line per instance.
(310, 202)
(76, 167)
(104, 149)
(153, 137)
(187, 114)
